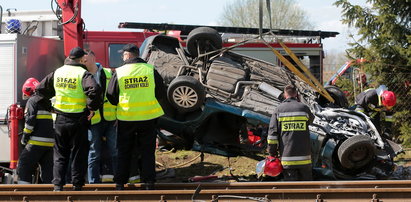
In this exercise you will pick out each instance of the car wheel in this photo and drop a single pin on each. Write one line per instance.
(205, 39)
(338, 96)
(186, 93)
(356, 152)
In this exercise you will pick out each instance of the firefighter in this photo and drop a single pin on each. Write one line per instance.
(136, 88)
(377, 104)
(362, 81)
(38, 137)
(288, 133)
(77, 96)
(102, 124)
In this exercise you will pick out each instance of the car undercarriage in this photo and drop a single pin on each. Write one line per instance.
(214, 94)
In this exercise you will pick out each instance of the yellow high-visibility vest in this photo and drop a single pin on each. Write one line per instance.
(137, 100)
(70, 97)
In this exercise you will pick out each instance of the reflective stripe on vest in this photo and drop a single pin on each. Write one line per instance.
(28, 128)
(296, 160)
(109, 110)
(41, 141)
(137, 101)
(272, 139)
(293, 118)
(134, 179)
(389, 118)
(42, 114)
(38, 143)
(70, 97)
(360, 109)
(373, 114)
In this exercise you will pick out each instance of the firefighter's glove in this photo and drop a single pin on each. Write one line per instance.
(25, 138)
(272, 150)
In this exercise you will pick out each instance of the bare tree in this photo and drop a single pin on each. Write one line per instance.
(285, 14)
(333, 60)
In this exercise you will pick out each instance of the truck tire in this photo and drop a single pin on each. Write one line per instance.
(186, 94)
(356, 152)
(206, 38)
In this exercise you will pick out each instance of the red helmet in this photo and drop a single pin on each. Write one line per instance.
(272, 166)
(29, 86)
(388, 98)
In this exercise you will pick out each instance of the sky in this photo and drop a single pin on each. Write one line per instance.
(105, 15)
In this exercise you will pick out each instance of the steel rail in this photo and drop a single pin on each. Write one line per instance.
(332, 194)
(319, 191)
(224, 185)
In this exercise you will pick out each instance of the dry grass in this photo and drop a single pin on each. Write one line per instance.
(405, 158)
(189, 164)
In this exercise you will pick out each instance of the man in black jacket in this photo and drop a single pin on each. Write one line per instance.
(136, 88)
(77, 96)
(289, 129)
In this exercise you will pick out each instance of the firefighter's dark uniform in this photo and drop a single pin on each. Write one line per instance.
(289, 129)
(136, 88)
(39, 148)
(76, 93)
(369, 103)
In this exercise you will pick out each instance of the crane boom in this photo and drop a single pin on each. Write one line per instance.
(72, 24)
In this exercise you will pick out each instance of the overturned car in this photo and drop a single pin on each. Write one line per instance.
(214, 94)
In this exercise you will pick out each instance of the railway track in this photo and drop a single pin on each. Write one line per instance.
(318, 191)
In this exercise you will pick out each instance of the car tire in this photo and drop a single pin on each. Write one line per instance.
(356, 152)
(337, 94)
(208, 39)
(186, 94)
